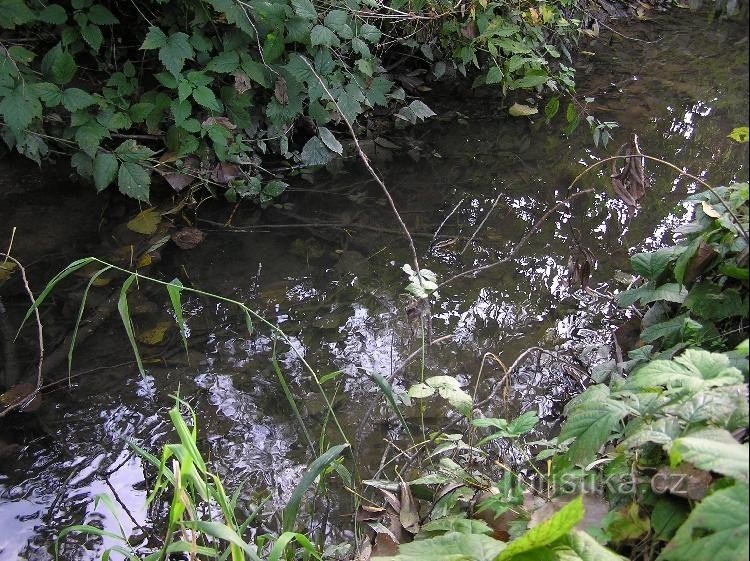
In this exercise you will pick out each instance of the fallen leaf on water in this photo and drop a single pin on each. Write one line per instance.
(521, 110)
(145, 222)
(156, 334)
(6, 270)
(187, 238)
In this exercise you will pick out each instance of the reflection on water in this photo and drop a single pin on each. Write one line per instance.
(336, 291)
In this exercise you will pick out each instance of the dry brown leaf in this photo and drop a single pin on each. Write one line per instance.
(224, 172)
(279, 91)
(409, 515)
(223, 121)
(187, 238)
(6, 270)
(699, 262)
(685, 481)
(242, 82)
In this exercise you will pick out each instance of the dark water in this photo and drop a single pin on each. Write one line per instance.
(338, 292)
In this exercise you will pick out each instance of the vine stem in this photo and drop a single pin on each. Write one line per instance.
(375, 176)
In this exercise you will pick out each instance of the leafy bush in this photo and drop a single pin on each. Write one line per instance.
(203, 91)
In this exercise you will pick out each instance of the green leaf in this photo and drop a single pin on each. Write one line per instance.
(528, 82)
(452, 546)
(591, 420)
(53, 14)
(273, 47)
(289, 514)
(274, 188)
(321, 35)
(457, 523)
(377, 91)
(105, 170)
(92, 35)
(588, 549)
(708, 301)
(420, 390)
(58, 66)
(390, 397)
(667, 516)
(75, 99)
(134, 181)
(305, 9)
(205, 97)
(13, 13)
(315, 153)
(330, 141)
(694, 369)
(739, 134)
(713, 450)
(552, 107)
(222, 532)
(716, 530)
(663, 329)
(225, 62)
(155, 39)
(89, 136)
(548, 531)
(131, 151)
(338, 21)
(652, 265)
(175, 52)
(369, 33)
(494, 75)
(18, 108)
(100, 15)
(123, 309)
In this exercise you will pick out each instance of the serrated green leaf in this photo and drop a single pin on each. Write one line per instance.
(528, 82)
(305, 9)
(92, 35)
(694, 369)
(205, 97)
(315, 153)
(716, 530)
(155, 39)
(713, 450)
(53, 14)
(89, 136)
(18, 108)
(652, 265)
(321, 35)
(552, 107)
(330, 141)
(105, 170)
(225, 62)
(134, 181)
(274, 188)
(175, 52)
(451, 546)
(75, 99)
(13, 13)
(100, 15)
(58, 66)
(369, 33)
(273, 48)
(494, 76)
(548, 531)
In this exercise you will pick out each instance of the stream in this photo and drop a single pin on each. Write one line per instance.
(679, 81)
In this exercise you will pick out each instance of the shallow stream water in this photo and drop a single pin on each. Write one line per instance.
(680, 81)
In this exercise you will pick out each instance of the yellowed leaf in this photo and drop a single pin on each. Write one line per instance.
(144, 261)
(6, 270)
(521, 110)
(709, 210)
(145, 222)
(155, 335)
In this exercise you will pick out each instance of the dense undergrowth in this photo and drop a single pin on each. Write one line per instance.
(209, 93)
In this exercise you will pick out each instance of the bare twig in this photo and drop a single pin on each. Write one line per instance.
(481, 224)
(21, 403)
(375, 176)
(520, 243)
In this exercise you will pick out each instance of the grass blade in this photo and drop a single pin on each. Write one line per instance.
(92, 280)
(390, 397)
(87, 529)
(122, 307)
(222, 532)
(292, 402)
(284, 540)
(289, 515)
(72, 268)
(174, 288)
